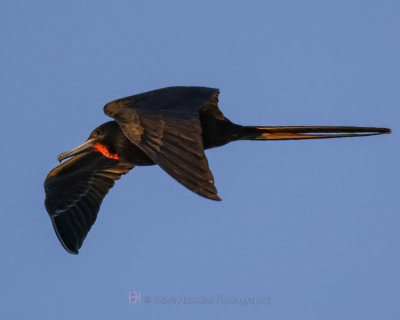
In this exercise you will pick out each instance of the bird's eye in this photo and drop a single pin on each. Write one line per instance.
(97, 133)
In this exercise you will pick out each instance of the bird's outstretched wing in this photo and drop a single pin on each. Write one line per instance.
(74, 192)
(165, 124)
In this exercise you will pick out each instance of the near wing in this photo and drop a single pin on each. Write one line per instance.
(165, 124)
(74, 192)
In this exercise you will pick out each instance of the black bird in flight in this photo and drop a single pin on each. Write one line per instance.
(170, 127)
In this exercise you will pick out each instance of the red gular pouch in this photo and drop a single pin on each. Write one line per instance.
(103, 149)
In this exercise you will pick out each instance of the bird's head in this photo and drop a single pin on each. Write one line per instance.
(102, 139)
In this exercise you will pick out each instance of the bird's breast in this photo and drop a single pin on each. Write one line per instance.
(131, 153)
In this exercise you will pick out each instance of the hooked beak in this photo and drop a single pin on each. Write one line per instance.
(79, 149)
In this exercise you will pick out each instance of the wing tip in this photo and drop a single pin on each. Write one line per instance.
(73, 248)
(209, 195)
(215, 198)
(71, 251)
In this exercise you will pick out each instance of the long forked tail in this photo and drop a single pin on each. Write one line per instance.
(308, 132)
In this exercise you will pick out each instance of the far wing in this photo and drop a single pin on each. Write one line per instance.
(74, 192)
(165, 124)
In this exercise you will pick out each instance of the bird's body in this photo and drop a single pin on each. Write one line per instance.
(170, 127)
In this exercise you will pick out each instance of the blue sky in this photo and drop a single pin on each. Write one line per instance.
(310, 225)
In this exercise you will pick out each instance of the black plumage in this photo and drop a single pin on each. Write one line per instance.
(170, 127)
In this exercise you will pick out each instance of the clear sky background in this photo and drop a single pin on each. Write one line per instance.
(311, 225)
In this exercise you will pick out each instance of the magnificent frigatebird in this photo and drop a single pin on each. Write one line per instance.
(170, 127)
